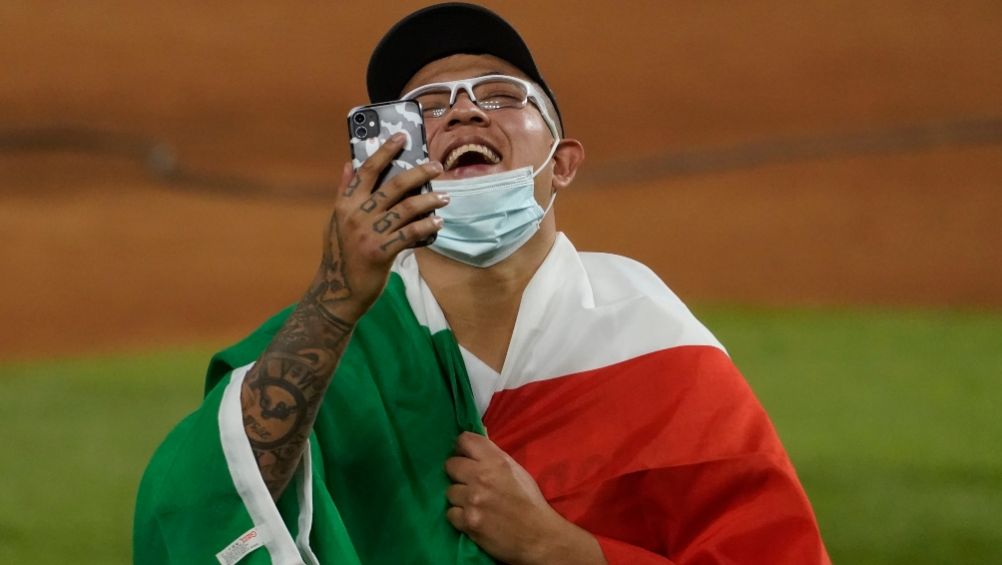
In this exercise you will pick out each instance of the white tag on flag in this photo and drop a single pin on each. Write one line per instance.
(240, 547)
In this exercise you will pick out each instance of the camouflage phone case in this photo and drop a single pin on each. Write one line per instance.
(384, 120)
(399, 116)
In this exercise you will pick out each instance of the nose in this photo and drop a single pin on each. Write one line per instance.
(466, 112)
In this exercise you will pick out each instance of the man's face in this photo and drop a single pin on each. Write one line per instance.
(518, 137)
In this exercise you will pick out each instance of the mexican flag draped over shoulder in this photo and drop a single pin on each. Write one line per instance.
(626, 411)
(371, 488)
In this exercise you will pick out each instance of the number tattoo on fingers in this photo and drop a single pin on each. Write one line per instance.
(370, 204)
(385, 222)
(400, 237)
(353, 184)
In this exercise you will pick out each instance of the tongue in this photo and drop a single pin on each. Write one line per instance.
(463, 171)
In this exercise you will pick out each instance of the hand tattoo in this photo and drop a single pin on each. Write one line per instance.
(353, 184)
(385, 222)
(333, 287)
(370, 204)
(400, 237)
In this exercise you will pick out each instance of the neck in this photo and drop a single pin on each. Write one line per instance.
(481, 305)
(463, 283)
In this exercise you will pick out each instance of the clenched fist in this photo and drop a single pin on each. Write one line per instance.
(498, 504)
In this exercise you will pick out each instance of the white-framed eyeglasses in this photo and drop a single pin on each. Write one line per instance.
(489, 93)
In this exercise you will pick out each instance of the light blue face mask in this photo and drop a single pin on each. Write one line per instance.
(489, 217)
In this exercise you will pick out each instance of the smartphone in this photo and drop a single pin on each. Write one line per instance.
(370, 126)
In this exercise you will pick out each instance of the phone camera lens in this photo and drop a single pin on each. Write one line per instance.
(359, 118)
(361, 132)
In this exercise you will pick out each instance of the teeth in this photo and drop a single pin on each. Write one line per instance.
(474, 147)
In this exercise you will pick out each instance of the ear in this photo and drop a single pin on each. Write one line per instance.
(566, 160)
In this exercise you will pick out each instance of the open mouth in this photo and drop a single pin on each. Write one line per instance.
(470, 158)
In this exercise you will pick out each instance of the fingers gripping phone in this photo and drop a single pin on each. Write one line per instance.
(370, 126)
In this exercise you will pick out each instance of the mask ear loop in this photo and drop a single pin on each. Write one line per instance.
(553, 150)
(553, 195)
(550, 125)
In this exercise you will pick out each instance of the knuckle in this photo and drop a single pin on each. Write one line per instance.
(485, 477)
(369, 167)
(434, 224)
(372, 253)
(478, 497)
(464, 440)
(408, 208)
(474, 519)
(508, 464)
(365, 243)
(408, 232)
(350, 221)
(365, 239)
(431, 168)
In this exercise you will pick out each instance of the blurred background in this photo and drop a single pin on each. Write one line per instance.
(820, 181)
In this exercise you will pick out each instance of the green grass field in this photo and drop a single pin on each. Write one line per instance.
(891, 418)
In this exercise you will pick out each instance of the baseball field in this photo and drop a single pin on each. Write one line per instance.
(820, 181)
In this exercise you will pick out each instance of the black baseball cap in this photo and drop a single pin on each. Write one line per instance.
(439, 31)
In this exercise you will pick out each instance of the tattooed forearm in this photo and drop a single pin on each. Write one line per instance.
(284, 389)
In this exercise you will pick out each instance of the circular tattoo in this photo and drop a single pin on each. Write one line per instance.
(284, 406)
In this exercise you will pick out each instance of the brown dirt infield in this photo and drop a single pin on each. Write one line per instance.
(97, 256)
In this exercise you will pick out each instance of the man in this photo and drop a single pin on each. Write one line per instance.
(352, 428)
